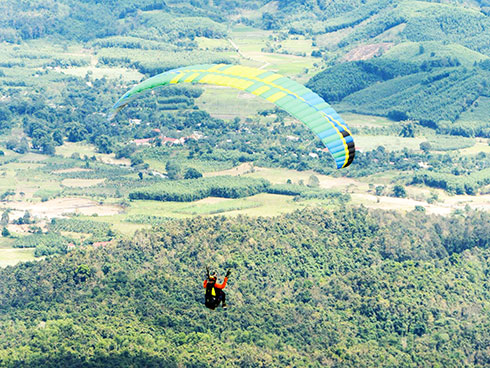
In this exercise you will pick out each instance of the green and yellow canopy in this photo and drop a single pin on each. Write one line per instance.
(293, 97)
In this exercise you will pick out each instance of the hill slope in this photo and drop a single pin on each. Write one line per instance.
(348, 288)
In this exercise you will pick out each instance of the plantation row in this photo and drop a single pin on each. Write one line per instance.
(189, 190)
(435, 93)
(54, 242)
(193, 189)
(45, 244)
(458, 184)
(79, 226)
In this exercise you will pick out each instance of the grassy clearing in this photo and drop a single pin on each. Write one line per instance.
(481, 145)
(250, 39)
(227, 103)
(83, 149)
(381, 178)
(218, 44)
(298, 44)
(391, 143)
(10, 257)
(270, 205)
(69, 148)
(259, 205)
(410, 51)
(366, 121)
(25, 179)
(251, 43)
(207, 207)
(281, 176)
(99, 72)
(18, 166)
(288, 65)
(6, 243)
(81, 183)
(157, 208)
(36, 53)
(442, 143)
(33, 157)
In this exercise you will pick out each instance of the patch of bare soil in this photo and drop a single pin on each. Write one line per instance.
(365, 52)
(112, 160)
(211, 200)
(235, 171)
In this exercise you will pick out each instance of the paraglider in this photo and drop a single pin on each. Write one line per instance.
(293, 97)
(214, 291)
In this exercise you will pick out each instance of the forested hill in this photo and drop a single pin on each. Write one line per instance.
(343, 288)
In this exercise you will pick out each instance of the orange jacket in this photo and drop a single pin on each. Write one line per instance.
(216, 285)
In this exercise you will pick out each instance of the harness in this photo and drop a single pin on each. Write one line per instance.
(211, 296)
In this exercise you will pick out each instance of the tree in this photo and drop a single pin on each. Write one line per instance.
(103, 144)
(173, 170)
(408, 130)
(192, 173)
(399, 191)
(47, 146)
(58, 137)
(269, 21)
(425, 146)
(313, 181)
(75, 132)
(82, 272)
(5, 217)
(5, 232)
(397, 115)
(136, 160)
(23, 146)
(26, 219)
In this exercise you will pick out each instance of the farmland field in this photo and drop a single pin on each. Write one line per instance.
(10, 257)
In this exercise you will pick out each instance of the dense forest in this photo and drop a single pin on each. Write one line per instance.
(349, 287)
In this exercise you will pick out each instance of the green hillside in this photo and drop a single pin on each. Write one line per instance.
(343, 288)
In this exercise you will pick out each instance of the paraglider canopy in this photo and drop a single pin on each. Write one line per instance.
(293, 97)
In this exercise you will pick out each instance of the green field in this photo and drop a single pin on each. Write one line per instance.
(10, 257)
(363, 121)
(391, 143)
(410, 51)
(227, 103)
